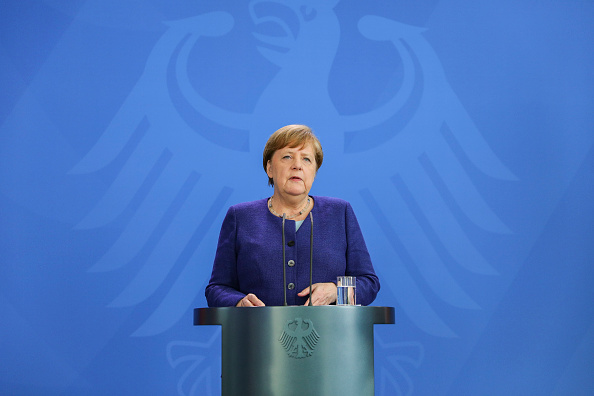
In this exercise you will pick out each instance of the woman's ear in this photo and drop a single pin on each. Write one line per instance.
(269, 169)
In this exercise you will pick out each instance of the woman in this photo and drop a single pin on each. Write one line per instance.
(248, 270)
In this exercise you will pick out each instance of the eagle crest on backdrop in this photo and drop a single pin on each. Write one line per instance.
(187, 158)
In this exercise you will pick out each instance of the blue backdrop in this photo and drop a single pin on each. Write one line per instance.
(461, 132)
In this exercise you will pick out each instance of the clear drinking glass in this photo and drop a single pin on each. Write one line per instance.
(346, 290)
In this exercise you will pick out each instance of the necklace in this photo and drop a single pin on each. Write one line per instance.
(289, 217)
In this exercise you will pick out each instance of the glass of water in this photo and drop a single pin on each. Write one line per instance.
(346, 290)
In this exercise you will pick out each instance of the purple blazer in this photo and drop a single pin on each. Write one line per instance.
(249, 254)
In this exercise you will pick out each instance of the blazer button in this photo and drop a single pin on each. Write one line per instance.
(291, 243)
(291, 286)
(291, 263)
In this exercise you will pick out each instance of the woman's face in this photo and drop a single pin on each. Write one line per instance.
(293, 170)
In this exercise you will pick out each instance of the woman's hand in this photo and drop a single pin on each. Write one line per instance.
(321, 293)
(250, 301)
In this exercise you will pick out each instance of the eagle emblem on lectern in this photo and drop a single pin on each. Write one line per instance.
(299, 338)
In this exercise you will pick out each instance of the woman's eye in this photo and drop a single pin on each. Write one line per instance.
(306, 159)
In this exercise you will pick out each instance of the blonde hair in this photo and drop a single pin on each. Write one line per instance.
(292, 136)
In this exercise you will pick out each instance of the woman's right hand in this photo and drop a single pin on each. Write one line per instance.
(250, 301)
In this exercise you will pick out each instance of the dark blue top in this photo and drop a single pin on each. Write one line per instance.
(249, 254)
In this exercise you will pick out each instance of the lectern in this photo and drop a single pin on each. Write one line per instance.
(297, 350)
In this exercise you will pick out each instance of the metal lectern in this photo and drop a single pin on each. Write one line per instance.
(297, 350)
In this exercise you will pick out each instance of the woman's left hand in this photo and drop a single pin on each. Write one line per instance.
(321, 293)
